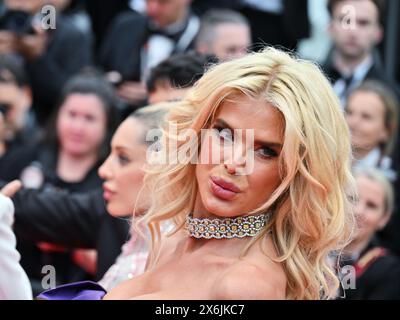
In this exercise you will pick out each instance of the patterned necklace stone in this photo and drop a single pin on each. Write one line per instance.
(227, 228)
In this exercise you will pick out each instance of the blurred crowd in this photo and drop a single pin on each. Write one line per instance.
(64, 91)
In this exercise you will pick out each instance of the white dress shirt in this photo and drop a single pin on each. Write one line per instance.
(272, 6)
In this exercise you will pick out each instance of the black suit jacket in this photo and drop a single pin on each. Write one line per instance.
(121, 49)
(102, 13)
(122, 44)
(71, 220)
(294, 17)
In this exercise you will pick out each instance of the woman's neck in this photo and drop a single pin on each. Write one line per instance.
(74, 168)
(199, 210)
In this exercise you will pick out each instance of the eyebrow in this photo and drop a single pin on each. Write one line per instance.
(276, 145)
(122, 148)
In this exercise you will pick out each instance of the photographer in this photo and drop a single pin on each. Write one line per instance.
(50, 56)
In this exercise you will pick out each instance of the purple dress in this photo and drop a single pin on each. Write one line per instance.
(84, 290)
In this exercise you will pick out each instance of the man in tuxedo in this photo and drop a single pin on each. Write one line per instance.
(136, 43)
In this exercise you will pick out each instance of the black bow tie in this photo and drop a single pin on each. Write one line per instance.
(335, 75)
(348, 80)
(154, 30)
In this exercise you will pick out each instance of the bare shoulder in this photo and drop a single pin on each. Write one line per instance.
(247, 281)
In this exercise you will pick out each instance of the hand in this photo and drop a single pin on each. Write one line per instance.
(132, 92)
(11, 188)
(8, 42)
(33, 46)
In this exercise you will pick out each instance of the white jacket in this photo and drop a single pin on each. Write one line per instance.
(14, 284)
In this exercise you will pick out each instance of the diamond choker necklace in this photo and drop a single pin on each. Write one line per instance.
(226, 228)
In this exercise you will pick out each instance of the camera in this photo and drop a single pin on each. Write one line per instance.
(16, 21)
(4, 108)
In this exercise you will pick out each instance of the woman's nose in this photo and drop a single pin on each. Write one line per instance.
(231, 169)
(105, 171)
(235, 159)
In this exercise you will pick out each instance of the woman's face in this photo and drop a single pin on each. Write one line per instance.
(122, 170)
(81, 124)
(365, 115)
(369, 210)
(224, 193)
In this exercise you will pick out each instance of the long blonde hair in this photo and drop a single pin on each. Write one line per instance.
(312, 213)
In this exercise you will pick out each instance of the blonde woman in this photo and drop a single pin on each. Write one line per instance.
(296, 190)
(249, 227)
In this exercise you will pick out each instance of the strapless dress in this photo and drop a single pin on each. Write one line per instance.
(84, 290)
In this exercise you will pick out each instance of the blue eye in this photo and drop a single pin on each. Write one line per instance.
(266, 152)
(123, 160)
(224, 134)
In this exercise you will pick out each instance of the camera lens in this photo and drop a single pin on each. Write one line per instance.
(16, 21)
(20, 23)
(4, 108)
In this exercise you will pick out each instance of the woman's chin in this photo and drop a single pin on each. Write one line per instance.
(221, 209)
(117, 212)
(76, 149)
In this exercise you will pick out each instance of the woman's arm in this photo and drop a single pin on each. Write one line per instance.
(56, 216)
(14, 283)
